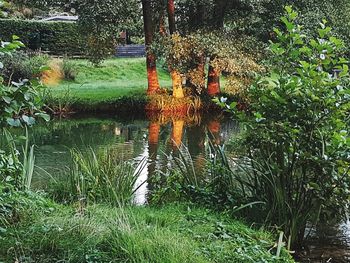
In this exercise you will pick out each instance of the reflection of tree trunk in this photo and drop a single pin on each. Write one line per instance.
(153, 83)
(154, 129)
(177, 132)
(196, 139)
(214, 128)
(213, 81)
(153, 140)
(178, 92)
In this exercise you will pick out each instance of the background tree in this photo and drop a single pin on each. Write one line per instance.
(102, 21)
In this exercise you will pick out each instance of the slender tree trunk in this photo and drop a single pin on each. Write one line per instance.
(219, 13)
(152, 75)
(175, 75)
(218, 23)
(213, 81)
(178, 92)
(171, 16)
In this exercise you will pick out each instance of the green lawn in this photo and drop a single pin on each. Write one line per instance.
(114, 79)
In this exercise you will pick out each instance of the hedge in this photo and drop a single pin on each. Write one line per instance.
(57, 38)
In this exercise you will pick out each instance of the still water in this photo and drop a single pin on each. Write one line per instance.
(156, 139)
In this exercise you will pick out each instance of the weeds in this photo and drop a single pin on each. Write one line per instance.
(58, 105)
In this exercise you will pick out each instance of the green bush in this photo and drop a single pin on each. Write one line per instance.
(296, 137)
(19, 66)
(69, 69)
(20, 102)
(58, 38)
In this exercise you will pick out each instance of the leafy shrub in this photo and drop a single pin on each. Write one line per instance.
(59, 38)
(19, 66)
(69, 69)
(296, 137)
(20, 102)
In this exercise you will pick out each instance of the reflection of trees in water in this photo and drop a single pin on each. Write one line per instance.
(168, 135)
(125, 140)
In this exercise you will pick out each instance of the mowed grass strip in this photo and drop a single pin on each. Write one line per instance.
(113, 79)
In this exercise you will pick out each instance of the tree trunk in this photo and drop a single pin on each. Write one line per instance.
(152, 75)
(178, 92)
(219, 13)
(171, 16)
(220, 7)
(213, 81)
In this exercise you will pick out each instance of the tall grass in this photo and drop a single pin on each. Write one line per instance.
(58, 105)
(28, 164)
(241, 186)
(22, 163)
(99, 177)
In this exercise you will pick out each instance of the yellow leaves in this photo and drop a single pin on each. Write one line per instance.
(54, 75)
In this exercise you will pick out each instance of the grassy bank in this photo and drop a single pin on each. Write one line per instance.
(42, 231)
(116, 83)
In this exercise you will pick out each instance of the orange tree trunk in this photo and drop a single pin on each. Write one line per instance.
(178, 92)
(152, 75)
(213, 81)
(175, 75)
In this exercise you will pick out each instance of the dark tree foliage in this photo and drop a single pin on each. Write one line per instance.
(102, 22)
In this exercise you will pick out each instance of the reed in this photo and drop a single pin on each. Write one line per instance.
(102, 177)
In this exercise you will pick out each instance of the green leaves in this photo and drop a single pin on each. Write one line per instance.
(19, 102)
(297, 130)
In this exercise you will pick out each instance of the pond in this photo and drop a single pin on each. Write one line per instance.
(156, 139)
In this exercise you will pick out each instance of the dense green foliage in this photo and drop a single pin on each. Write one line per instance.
(19, 102)
(101, 176)
(296, 138)
(102, 22)
(19, 66)
(58, 38)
